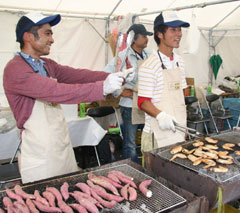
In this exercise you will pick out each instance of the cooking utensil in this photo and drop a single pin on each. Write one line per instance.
(119, 43)
(129, 43)
(192, 132)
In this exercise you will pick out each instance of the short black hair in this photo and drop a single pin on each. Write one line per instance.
(159, 29)
(34, 31)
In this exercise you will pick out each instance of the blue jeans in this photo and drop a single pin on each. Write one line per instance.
(129, 131)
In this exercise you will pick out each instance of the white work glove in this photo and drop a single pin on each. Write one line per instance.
(165, 121)
(128, 74)
(112, 83)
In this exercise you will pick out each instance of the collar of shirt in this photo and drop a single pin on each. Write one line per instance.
(138, 56)
(168, 63)
(38, 66)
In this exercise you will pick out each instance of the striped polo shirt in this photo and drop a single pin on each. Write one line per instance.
(150, 75)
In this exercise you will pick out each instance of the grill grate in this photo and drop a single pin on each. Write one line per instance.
(233, 169)
(230, 137)
(163, 198)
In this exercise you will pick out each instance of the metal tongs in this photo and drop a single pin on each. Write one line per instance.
(191, 132)
(129, 42)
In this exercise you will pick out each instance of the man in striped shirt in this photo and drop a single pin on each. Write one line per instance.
(161, 84)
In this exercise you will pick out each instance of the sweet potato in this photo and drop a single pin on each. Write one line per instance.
(40, 198)
(64, 190)
(132, 194)
(18, 190)
(48, 209)
(143, 188)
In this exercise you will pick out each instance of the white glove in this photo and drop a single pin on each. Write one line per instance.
(129, 74)
(165, 121)
(112, 83)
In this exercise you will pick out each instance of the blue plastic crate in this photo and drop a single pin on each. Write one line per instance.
(234, 113)
(231, 103)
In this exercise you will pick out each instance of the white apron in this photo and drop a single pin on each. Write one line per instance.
(138, 116)
(46, 149)
(172, 102)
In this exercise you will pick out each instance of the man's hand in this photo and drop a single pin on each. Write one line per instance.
(112, 83)
(129, 74)
(165, 121)
(127, 93)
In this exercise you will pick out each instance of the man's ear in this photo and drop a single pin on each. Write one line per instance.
(27, 36)
(160, 35)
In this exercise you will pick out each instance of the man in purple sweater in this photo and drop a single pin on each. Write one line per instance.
(35, 87)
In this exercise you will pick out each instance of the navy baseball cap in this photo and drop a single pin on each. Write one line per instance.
(34, 19)
(139, 29)
(170, 19)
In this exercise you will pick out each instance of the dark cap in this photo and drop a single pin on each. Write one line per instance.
(139, 29)
(34, 19)
(170, 19)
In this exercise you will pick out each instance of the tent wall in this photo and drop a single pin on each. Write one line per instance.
(77, 44)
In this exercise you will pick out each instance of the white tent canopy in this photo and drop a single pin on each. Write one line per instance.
(80, 38)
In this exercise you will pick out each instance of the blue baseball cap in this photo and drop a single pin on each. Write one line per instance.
(34, 19)
(170, 19)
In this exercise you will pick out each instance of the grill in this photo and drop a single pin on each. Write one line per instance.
(163, 198)
(198, 181)
(230, 137)
(233, 169)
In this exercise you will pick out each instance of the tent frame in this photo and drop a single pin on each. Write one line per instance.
(212, 44)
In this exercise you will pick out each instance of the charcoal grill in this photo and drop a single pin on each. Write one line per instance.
(233, 169)
(196, 180)
(163, 198)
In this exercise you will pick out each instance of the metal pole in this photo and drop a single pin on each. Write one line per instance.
(230, 13)
(96, 31)
(204, 4)
(107, 31)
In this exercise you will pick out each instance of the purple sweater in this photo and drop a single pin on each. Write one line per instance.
(23, 86)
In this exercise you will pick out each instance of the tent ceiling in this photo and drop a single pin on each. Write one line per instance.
(205, 17)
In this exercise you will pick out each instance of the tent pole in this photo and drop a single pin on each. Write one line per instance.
(204, 4)
(211, 53)
(96, 31)
(107, 31)
(230, 13)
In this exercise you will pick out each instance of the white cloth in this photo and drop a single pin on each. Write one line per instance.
(83, 132)
(46, 150)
